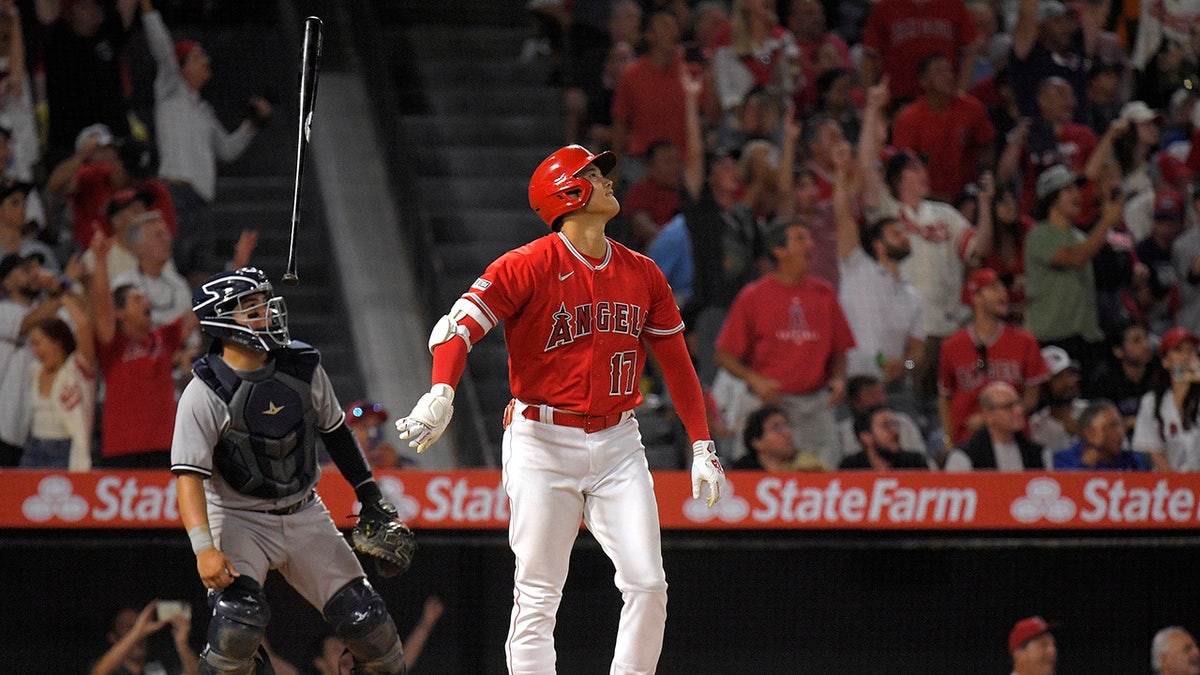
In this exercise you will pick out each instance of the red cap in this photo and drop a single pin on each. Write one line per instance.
(979, 280)
(1025, 630)
(1173, 337)
(183, 48)
(364, 409)
(1168, 205)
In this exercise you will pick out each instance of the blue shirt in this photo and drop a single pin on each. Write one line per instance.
(1072, 459)
(671, 250)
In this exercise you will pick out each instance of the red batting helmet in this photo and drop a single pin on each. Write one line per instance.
(555, 178)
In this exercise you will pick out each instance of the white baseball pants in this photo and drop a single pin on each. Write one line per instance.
(556, 476)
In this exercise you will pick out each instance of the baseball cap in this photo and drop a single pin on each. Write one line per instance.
(1057, 360)
(979, 280)
(1138, 111)
(183, 48)
(1168, 204)
(121, 199)
(1050, 9)
(9, 186)
(14, 260)
(1056, 178)
(364, 409)
(103, 135)
(1027, 629)
(1173, 337)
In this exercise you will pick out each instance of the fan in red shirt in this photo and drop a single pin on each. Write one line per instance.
(986, 350)
(899, 33)
(136, 360)
(949, 127)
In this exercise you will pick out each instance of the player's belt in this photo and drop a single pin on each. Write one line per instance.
(589, 423)
(289, 510)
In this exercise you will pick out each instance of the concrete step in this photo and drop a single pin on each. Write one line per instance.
(517, 99)
(486, 72)
(493, 12)
(464, 43)
(477, 192)
(478, 160)
(514, 130)
(470, 257)
(511, 226)
(253, 188)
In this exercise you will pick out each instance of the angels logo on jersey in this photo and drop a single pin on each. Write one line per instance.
(603, 317)
(797, 330)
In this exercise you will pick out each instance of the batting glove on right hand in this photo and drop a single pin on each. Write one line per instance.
(428, 419)
(706, 468)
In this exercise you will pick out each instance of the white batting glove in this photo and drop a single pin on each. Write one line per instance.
(706, 468)
(428, 419)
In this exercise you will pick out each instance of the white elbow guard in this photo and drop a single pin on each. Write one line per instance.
(448, 326)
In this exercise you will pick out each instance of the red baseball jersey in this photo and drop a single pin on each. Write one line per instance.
(139, 404)
(573, 324)
(903, 32)
(1013, 357)
(787, 333)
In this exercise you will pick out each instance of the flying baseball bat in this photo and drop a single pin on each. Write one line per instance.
(310, 61)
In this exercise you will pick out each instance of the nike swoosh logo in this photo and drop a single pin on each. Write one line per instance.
(273, 409)
(563, 277)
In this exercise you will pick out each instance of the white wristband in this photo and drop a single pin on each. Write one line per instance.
(201, 539)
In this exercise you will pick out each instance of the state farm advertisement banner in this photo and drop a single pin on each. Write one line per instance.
(475, 499)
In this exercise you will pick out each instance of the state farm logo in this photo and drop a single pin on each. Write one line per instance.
(407, 508)
(730, 508)
(54, 498)
(1043, 499)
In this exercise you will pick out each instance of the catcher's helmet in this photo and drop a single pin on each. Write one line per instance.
(555, 178)
(220, 300)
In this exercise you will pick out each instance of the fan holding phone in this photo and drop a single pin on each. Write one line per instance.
(129, 636)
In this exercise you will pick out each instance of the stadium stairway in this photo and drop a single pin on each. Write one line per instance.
(470, 123)
(253, 55)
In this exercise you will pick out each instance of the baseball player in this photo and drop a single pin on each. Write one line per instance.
(244, 450)
(579, 311)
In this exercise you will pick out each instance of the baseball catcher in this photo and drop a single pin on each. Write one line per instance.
(245, 453)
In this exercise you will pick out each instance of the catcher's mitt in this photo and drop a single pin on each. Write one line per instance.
(380, 534)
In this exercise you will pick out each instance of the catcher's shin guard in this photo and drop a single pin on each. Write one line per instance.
(240, 617)
(359, 616)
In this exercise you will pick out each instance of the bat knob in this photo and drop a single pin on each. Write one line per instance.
(290, 279)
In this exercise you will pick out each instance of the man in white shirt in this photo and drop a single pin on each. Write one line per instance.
(191, 139)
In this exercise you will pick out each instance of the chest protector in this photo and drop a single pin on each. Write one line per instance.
(269, 449)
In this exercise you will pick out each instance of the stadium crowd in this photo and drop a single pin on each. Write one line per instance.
(870, 214)
(106, 227)
(873, 213)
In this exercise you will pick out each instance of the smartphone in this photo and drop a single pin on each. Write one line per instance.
(170, 608)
